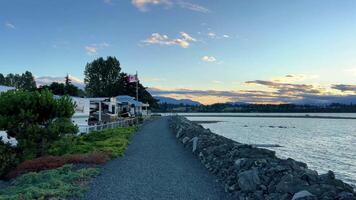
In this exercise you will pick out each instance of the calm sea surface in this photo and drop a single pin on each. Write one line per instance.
(324, 144)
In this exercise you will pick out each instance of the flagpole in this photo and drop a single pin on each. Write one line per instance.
(136, 96)
(136, 86)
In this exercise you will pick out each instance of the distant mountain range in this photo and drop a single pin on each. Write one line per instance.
(177, 101)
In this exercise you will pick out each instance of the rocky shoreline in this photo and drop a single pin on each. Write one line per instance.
(250, 173)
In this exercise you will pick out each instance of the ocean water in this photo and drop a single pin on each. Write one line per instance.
(324, 144)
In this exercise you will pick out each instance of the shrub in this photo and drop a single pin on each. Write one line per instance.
(114, 141)
(35, 120)
(62, 182)
(52, 162)
(8, 159)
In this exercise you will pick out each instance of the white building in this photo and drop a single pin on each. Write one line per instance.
(130, 105)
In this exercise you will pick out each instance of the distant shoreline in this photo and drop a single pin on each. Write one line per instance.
(272, 116)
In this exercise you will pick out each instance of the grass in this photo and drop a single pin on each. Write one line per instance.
(61, 182)
(66, 181)
(114, 141)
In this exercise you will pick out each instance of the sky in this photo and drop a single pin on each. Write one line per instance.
(256, 51)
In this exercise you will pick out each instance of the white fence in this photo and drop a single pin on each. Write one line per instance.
(121, 123)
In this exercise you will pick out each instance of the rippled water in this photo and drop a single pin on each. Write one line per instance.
(324, 144)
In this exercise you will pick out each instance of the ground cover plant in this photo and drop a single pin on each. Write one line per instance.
(52, 162)
(64, 181)
(113, 141)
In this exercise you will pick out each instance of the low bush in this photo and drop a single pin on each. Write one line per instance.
(52, 162)
(8, 158)
(62, 182)
(114, 141)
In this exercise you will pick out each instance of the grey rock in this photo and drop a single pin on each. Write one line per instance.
(195, 143)
(249, 180)
(290, 184)
(302, 194)
(185, 140)
(179, 132)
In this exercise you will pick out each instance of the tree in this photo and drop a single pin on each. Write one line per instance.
(127, 88)
(102, 77)
(2, 79)
(35, 119)
(24, 81)
(27, 81)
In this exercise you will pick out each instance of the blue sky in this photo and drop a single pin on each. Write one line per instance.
(216, 50)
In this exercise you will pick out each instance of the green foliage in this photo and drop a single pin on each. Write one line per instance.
(61, 182)
(103, 79)
(24, 81)
(35, 119)
(102, 76)
(114, 141)
(63, 89)
(8, 158)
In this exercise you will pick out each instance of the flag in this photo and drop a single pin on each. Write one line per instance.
(132, 78)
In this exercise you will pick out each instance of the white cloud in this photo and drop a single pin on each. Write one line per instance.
(208, 59)
(9, 25)
(212, 35)
(94, 48)
(91, 50)
(183, 41)
(142, 5)
(193, 7)
(226, 36)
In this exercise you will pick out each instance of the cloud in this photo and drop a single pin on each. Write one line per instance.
(212, 34)
(183, 41)
(344, 88)
(47, 80)
(193, 7)
(291, 78)
(287, 88)
(208, 59)
(91, 50)
(275, 92)
(253, 96)
(10, 25)
(142, 5)
(94, 48)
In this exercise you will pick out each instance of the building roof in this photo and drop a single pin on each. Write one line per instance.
(128, 99)
(4, 88)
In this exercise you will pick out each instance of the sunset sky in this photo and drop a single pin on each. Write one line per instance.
(255, 51)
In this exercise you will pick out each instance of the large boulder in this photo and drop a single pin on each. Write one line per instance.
(249, 180)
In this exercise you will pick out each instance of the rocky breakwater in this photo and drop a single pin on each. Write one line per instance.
(254, 173)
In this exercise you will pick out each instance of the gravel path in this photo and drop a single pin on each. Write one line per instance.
(155, 166)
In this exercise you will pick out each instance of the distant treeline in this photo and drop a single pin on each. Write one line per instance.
(263, 108)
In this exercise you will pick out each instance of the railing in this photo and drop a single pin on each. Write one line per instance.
(85, 129)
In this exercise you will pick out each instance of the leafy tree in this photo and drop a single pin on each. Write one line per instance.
(27, 81)
(24, 81)
(102, 77)
(2, 79)
(35, 119)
